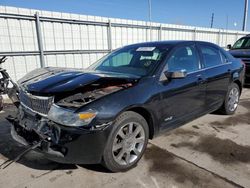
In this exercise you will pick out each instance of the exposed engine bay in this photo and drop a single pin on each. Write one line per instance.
(79, 99)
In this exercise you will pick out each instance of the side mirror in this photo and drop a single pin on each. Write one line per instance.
(176, 74)
(229, 46)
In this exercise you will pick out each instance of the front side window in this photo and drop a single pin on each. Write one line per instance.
(135, 60)
(184, 58)
(211, 56)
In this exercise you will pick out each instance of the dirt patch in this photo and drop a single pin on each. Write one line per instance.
(164, 163)
(236, 119)
(55, 177)
(174, 145)
(195, 127)
(233, 120)
(216, 128)
(69, 172)
(184, 132)
(222, 150)
(245, 103)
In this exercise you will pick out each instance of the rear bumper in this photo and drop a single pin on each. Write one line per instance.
(63, 144)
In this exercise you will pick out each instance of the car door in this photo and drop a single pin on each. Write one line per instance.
(217, 72)
(183, 98)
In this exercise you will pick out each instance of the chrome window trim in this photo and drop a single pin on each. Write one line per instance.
(215, 66)
(202, 69)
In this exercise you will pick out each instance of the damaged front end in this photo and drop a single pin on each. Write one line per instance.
(57, 142)
(30, 128)
(50, 115)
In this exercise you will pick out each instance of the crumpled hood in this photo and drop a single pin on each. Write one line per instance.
(240, 53)
(52, 80)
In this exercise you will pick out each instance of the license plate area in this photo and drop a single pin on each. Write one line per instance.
(29, 135)
(28, 119)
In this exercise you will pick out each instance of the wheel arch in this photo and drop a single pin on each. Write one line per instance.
(239, 84)
(148, 117)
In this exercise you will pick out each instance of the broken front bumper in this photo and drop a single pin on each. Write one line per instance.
(59, 143)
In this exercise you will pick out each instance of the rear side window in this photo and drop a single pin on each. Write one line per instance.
(211, 56)
(223, 57)
(184, 58)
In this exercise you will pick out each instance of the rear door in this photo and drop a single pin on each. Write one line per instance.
(217, 72)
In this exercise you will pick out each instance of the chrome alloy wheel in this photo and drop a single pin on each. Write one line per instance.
(233, 99)
(128, 143)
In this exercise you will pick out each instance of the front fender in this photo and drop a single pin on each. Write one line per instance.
(109, 107)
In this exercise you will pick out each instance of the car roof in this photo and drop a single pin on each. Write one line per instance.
(170, 43)
(246, 36)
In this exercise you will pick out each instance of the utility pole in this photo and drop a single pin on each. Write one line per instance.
(150, 18)
(212, 20)
(244, 28)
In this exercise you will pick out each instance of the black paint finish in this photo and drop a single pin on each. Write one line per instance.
(165, 103)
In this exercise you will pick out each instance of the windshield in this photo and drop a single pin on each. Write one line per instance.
(135, 60)
(242, 43)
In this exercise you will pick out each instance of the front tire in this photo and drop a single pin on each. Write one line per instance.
(126, 143)
(232, 100)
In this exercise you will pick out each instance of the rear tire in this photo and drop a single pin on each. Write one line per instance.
(231, 101)
(126, 143)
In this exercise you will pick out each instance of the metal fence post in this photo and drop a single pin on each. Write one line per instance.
(160, 33)
(39, 39)
(109, 36)
(226, 36)
(236, 36)
(218, 38)
(194, 34)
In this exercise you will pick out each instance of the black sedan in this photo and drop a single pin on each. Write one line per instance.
(107, 113)
(241, 50)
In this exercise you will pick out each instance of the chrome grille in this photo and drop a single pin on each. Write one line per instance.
(37, 104)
